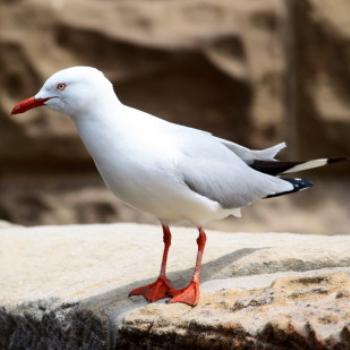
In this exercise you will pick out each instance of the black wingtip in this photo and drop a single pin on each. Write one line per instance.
(337, 160)
(298, 185)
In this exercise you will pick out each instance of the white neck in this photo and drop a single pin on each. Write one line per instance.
(100, 125)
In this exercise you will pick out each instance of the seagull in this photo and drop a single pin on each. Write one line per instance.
(174, 172)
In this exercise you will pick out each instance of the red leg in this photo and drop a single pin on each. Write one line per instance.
(190, 294)
(160, 288)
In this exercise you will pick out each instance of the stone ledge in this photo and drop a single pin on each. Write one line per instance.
(67, 287)
(310, 311)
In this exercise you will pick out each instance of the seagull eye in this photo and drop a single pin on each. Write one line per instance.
(61, 86)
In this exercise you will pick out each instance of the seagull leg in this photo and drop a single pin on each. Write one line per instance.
(190, 294)
(161, 287)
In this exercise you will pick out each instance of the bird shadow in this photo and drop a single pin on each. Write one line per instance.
(113, 305)
(116, 301)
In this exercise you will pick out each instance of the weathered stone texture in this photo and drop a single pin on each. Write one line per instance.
(292, 313)
(66, 288)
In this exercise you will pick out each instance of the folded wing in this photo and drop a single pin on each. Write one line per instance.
(210, 168)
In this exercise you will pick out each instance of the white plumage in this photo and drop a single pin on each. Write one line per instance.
(173, 172)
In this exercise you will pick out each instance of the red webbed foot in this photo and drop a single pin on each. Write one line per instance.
(152, 292)
(188, 295)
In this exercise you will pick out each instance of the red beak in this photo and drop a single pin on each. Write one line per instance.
(27, 104)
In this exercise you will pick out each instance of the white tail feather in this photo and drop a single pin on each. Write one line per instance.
(311, 164)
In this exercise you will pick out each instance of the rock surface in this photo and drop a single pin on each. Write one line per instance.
(305, 312)
(66, 287)
(6, 224)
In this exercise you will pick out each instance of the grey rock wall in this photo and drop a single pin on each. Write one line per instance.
(257, 72)
(243, 70)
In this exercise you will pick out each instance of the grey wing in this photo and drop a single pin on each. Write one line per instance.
(209, 168)
(246, 154)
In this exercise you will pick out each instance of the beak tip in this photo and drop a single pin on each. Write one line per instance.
(14, 110)
(27, 104)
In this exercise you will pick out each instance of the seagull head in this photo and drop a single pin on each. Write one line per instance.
(73, 91)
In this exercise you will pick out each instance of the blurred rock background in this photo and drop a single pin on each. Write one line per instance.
(257, 72)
